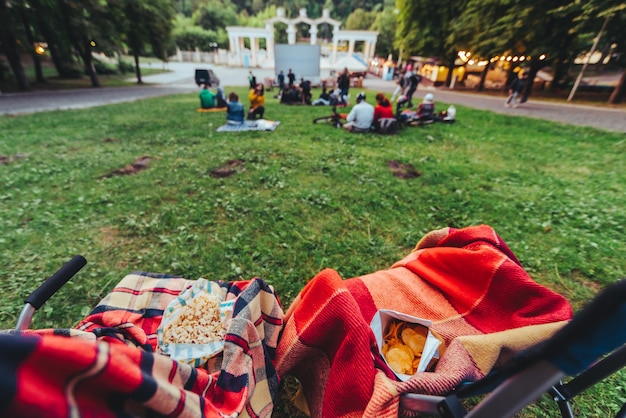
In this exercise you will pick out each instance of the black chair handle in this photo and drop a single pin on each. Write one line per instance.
(55, 282)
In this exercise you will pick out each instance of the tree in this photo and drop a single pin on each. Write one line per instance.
(214, 14)
(146, 23)
(385, 24)
(360, 20)
(543, 31)
(10, 42)
(48, 24)
(424, 28)
(611, 14)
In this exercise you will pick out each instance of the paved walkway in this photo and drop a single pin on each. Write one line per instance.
(181, 80)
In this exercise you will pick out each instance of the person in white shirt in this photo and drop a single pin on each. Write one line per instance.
(361, 116)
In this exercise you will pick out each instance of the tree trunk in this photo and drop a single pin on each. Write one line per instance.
(508, 80)
(593, 49)
(483, 77)
(61, 56)
(31, 44)
(619, 90)
(137, 68)
(90, 67)
(450, 70)
(534, 69)
(9, 46)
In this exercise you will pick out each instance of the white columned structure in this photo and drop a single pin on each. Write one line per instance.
(313, 32)
(291, 34)
(352, 36)
(237, 36)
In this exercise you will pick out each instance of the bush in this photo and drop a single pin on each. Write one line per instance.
(71, 72)
(103, 68)
(125, 67)
(191, 38)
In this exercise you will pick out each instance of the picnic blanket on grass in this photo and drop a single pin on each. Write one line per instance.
(466, 281)
(211, 109)
(111, 369)
(250, 125)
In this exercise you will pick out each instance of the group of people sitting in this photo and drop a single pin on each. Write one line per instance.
(235, 112)
(210, 100)
(364, 117)
(296, 93)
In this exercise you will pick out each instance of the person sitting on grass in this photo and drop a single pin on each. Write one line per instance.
(291, 95)
(426, 109)
(257, 102)
(234, 111)
(207, 98)
(221, 98)
(361, 116)
(305, 88)
(383, 108)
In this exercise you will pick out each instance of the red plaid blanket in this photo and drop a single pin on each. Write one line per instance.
(112, 371)
(466, 281)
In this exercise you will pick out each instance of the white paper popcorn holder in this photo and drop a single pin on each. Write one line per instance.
(379, 324)
(189, 353)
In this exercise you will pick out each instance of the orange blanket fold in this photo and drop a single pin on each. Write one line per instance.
(466, 281)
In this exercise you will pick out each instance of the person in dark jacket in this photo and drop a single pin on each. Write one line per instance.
(516, 88)
(343, 82)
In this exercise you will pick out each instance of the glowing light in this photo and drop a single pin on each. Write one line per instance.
(40, 48)
(471, 62)
(464, 55)
(522, 58)
(509, 58)
(515, 59)
(502, 58)
(542, 56)
(92, 43)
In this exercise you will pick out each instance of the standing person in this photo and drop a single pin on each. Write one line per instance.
(343, 82)
(251, 80)
(257, 102)
(234, 110)
(400, 88)
(291, 77)
(414, 80)
(517, 86)
(361, 116)
(281, 81)
(207, 98)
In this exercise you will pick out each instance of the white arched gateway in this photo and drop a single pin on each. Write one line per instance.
(237, 36)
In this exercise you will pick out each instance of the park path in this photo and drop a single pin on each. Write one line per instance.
(181, 80)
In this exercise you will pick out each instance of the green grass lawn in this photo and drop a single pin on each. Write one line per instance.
(302, 198)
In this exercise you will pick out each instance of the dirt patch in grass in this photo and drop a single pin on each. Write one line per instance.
(403, 170)
(7, 159)
(227, 169)
(139, 164)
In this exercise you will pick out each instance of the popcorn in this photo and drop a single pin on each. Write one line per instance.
(198, 322)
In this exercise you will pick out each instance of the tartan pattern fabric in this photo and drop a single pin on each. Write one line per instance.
(466, 281)
(112, 369)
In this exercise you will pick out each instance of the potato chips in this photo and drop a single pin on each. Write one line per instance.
(403, 344)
